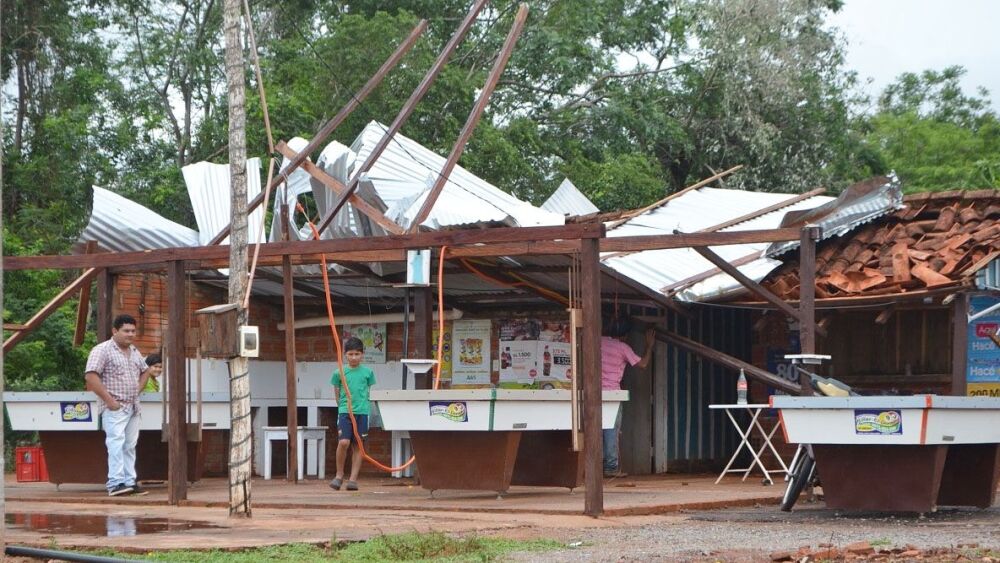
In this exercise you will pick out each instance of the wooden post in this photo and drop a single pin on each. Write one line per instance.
(291, 399)
(593, 452)
(959, 343)
(423, 331)
(83, 308)
(177, 384)
(807, 296)
(105, 294)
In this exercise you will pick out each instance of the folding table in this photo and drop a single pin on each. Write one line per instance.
(754, 411)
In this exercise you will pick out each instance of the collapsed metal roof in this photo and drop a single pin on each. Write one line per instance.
(122, 225)
(694, 211)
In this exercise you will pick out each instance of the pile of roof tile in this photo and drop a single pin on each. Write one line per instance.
(937, 240)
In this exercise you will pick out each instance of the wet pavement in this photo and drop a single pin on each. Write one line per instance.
(97, 525)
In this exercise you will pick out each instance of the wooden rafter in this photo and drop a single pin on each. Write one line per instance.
(473, 119)
(51, 306)
(338, 189)
(343, 114)
(406, 110)
(675, 195)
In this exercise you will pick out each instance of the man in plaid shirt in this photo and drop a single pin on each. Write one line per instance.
(117, 372)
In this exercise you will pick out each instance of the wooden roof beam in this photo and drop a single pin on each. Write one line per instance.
(473, 119)
(338, 189)
(51, 306)
(407, 109)
(748, 283)
(331, 125)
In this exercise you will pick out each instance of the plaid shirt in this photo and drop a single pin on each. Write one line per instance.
(118, 373)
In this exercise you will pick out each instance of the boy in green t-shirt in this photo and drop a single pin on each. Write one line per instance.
(359, 381)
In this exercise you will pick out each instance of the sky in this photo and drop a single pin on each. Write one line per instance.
(889, 37)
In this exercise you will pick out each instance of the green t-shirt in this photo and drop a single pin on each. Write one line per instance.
(359, 381)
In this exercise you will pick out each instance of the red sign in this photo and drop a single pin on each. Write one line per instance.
(985, 330)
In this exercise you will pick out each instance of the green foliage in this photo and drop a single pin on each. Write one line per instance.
(934, 135)
(416, 547)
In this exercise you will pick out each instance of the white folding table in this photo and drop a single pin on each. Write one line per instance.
(303, 433)
(754, 411)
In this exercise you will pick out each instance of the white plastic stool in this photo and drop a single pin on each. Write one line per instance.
(280, 434)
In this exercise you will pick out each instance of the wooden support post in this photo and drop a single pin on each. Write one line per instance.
(291, 392)
(423, 327)
(177, 383)
(807, 297)
(959, 343)
(593, 451)
(105, 294)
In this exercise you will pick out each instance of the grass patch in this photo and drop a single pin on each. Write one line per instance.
(880, 542)
(411, 547)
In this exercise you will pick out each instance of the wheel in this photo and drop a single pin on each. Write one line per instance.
(797, 480)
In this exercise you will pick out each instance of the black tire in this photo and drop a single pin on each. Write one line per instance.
(797, 481)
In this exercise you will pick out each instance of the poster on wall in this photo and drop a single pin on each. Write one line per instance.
(470, 342)
(535, 354)
(446, 356)
(983, 357)
(374, 337)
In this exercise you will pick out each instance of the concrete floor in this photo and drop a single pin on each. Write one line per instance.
(312, 512)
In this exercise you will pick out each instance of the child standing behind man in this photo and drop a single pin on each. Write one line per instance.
(359, 382)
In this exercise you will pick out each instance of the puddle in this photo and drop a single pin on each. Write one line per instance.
(98, 525)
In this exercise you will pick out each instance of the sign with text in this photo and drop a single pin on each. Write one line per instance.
(983, 357)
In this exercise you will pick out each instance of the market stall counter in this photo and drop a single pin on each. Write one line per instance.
(907, 454)
(68, 424)
(490, 439)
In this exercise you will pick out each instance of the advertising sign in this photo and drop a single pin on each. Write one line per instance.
(878, 421)
(535, 354)
(470, 344)
(983, 358)
(374, 337)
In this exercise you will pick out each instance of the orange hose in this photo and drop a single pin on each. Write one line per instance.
(340, 351)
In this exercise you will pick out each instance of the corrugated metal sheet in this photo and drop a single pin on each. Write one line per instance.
(846, 217)
(684, 434)
(989, 276)
(122, 225)
(569, 201)
(406, 170)
(208, 188)
(694, 211)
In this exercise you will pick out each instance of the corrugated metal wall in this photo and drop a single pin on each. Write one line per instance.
(667, 425)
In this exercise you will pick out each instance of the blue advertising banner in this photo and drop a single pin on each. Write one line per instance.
(983, 363)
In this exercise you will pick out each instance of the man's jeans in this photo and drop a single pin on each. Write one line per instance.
(611, 446)
(121, 428)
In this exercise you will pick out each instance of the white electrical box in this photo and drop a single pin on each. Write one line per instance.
(249, 341)
(418, 267)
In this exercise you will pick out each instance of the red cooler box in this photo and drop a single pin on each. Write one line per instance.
(30, 464)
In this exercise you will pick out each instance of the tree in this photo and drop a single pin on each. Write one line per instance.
(934, 135)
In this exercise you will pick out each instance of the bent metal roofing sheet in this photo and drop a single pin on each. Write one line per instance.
(694, 211)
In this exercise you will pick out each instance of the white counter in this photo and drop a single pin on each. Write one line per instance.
(902, 420)
(485, 409)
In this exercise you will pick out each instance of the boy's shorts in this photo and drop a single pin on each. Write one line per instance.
(345, 431)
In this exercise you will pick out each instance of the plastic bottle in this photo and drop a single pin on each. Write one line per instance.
(546, 362)
(741, 389)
